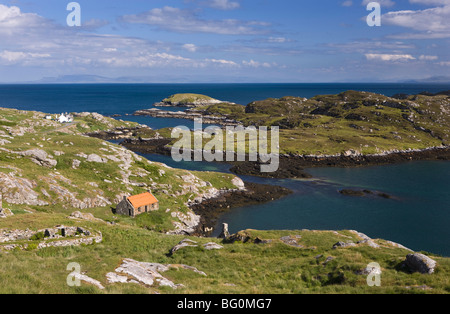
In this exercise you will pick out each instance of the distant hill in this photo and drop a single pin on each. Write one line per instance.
(75, 79)
(433, 79)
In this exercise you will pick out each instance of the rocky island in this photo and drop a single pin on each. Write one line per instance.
(188, 100)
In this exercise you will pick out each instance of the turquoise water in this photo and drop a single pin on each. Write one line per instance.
(418, 216)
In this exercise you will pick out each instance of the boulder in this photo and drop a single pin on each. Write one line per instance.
(76, 163)
(84, 216)
(212, 246)
(421, 263)
(241, 236)
(238, 183)
(39, 157)
(182, 244)
(343, 244)
(96, 158)
(292, 241)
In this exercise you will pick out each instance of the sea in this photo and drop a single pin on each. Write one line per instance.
(416, 216)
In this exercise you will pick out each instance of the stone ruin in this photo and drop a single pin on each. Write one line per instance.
(58, 236)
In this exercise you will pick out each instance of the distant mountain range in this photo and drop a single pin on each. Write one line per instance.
(91, 79)
(433, 79)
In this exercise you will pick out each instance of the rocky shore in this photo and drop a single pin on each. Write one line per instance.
(211, 209)
(293, 166)
(189, 115)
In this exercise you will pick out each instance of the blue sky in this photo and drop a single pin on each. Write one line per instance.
(225, 40)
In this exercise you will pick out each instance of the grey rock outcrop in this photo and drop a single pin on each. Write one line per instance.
(17, 190)
(421, 263)
(212, 246)
(238, 183)
(292, 241)
(365, 239)
(187, 225)
(182, 244)
(96, 158)
(147, 274)
(88, 280)
(39, 157)
(341, 244)
(190, 243)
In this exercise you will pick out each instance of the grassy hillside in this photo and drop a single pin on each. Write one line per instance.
(49, 167)
(244, 268)
(364, 122)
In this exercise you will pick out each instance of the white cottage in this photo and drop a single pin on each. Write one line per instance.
(64, 119)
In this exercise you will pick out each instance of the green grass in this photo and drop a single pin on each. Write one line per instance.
(238, 268)
(186, 98)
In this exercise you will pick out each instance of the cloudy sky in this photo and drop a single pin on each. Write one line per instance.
(225, 40)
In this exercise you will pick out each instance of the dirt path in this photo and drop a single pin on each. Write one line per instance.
(63, 127)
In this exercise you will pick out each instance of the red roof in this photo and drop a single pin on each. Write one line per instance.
(142, 199)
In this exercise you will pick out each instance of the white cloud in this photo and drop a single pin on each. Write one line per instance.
(186, 21)
(428, 58)
(431, 23)
(224, 4)
(222, 62)
(256, 64)
(12, 19)
(369, 46)
(190, 47)
(429, 2)
(347, 3)
(12, 57)
(278, 40)
(28, 39)
(389, 57)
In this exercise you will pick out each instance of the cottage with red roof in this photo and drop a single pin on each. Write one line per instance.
(137, 204)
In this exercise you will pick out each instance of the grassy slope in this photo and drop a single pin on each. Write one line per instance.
(365, 122)
(238, 268)
(88, 181)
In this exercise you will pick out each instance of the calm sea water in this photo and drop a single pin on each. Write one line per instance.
(418, 215)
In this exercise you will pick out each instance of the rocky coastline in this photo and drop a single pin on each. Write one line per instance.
(293, 166)
(211, 209)
(189, 115)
